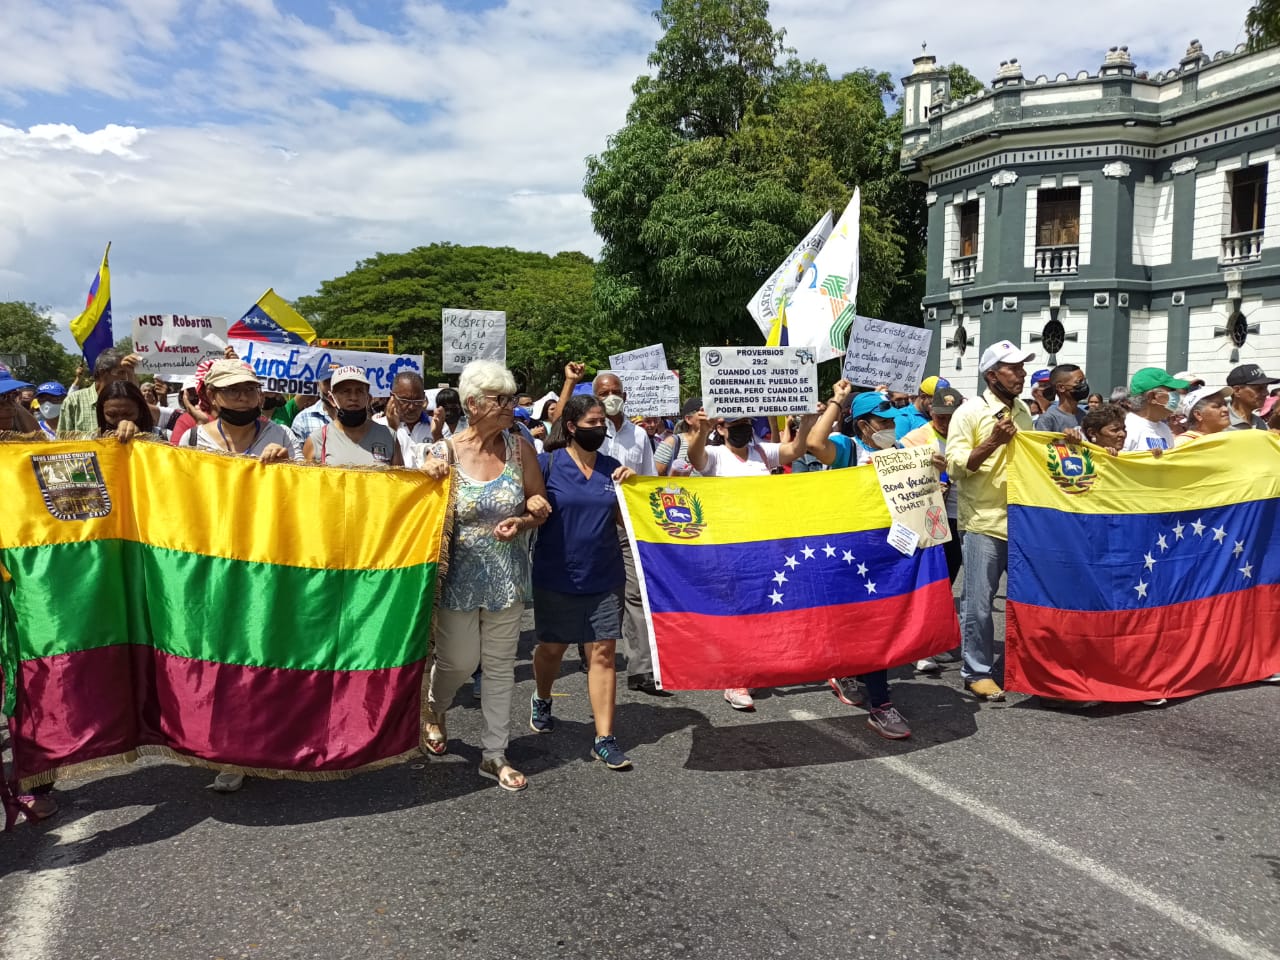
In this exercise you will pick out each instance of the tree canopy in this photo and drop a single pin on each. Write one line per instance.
(1262, 24)
(26, 330)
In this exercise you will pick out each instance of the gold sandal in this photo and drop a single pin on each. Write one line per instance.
(493, 769)
(434, 741)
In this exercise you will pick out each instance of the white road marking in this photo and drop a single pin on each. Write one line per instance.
(1212, 933)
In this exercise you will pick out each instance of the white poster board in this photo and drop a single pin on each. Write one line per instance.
(644, 358)
(467, 335)
(285, 368)
(890, 353)
(650, 393)
(759, 381)
(171, 345)
(913, 494)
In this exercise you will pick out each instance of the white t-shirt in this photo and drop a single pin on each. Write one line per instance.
(630, 446)
(408, 439)
(1144, 434)
(762, 459)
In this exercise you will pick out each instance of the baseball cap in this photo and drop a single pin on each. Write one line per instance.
(226, 373)
(1005, 351)
(1148, 378)
(1191, 378)
(51, 388)
(931, 385)
(866, 404)
(521, 413)
(1039, 377)
(1249, 373)
(691, 406)
(947, 400)
(348, 374)
(10, 385)
(1201, 393)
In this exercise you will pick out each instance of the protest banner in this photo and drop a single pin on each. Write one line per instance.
(759, 381)
(883, 352)
(172, 344)
(468, 335)
(912, 493)
(286, 368)
(643, 358)
(650, 393)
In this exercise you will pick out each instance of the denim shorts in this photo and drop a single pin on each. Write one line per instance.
(577, 618)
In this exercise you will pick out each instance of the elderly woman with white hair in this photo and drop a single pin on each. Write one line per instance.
(498, 496)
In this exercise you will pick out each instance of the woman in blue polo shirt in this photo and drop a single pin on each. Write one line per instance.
(578, 575)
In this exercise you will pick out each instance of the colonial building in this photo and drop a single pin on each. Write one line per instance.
(1116, 219)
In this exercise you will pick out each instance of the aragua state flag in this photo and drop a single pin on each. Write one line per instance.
(740, 594)
(1133, 578)
(269, 617)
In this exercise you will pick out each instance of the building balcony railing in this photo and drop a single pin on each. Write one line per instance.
(1061, 261)
(1240, 248)
(964, 269)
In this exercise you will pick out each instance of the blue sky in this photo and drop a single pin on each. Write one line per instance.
(225, 146)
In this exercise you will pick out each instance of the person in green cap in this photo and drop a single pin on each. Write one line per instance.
(1154, 396)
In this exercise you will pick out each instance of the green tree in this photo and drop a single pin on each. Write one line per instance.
(1262, 24)
(551, 317)
(27, 331)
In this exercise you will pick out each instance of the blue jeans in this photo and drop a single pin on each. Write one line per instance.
(985, 559)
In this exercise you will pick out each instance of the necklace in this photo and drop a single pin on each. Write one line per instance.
(257, 431)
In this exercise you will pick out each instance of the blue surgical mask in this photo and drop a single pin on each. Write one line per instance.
(1174, 401)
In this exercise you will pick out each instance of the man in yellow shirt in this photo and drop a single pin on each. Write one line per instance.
(977, 461)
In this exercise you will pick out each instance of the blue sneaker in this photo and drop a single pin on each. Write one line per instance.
(606, 749)
(540, 719)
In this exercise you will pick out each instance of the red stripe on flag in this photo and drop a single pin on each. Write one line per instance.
(107, 701)
(701, 652)
(1127, 655)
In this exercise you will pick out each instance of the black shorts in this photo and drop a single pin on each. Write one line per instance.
(577, 618)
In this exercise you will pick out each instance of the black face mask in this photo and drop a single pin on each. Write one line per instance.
(1081, 392)
(352, 418)
(590, 439)
(240, 418)
(740, 434)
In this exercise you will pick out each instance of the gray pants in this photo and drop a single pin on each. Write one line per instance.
(635, 632)
(985, 560)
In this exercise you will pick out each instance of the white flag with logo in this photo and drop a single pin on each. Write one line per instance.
(821, 311)
(777, 290)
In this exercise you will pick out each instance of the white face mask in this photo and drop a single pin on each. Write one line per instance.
(50, 410)
(883, 439)
(612, 404)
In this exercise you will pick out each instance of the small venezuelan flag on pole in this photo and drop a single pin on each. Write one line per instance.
(272, 320)
(92, 328)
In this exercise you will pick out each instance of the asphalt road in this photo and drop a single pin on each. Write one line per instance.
(997, 830)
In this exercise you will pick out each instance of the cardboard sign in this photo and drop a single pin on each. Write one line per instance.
(171, 344)
(759, 381)
(644, 358)
(913, 494)
(468, 335)
(882, 352)
(284, 368)
(650, 393)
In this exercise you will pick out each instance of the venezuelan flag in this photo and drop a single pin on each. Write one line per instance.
(232, 625)
(92, 328)
(739, 595)
(1133, 578)
(271, 320)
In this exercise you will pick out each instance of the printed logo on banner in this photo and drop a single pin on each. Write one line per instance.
(713, 358)
(677, 512)
(936, 518)
(1072, 470)
(72, 485)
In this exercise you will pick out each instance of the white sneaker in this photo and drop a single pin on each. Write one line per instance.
(1274, 678)
(1156, 703)
(928, 666)
(739, 698)
(227, 782)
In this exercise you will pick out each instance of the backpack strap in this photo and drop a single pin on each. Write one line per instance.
(193, 435)
(324, 443)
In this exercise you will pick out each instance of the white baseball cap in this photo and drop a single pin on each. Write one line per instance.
(1005, 351)
(1190, 377)
(348, 374)
(1198, 394)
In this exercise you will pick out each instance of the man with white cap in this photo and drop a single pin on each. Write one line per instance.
(977, 456)
(1205, 412)
(352, 439)
(1249, 386)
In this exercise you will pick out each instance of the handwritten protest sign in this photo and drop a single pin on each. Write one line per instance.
(882, 352)
(284, 368)
(759, 381)
(644, 358)
(468, 335)
(650, 393)
(171, 344)
(913, 494)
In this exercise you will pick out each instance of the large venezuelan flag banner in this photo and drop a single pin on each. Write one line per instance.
(270, 617)
(1134, 578)
(742, 594)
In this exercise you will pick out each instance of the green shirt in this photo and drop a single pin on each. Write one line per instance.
(80, 411)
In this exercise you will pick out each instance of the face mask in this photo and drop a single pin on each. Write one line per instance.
(352, 418)
(740, 434)
(883, 439)
(240, 418)
(612, 404)
(1081, 392)
(50, 410)
(590, 438)
(1174, 401)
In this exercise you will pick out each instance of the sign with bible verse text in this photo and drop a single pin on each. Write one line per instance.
(642, 358)
(890, 353)
(171, 345)
(759, 381)
(650, 393)
(468, 335)
(913, 493)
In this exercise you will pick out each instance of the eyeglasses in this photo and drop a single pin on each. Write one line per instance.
(410, 401)
(502, 399)
(240, 390)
